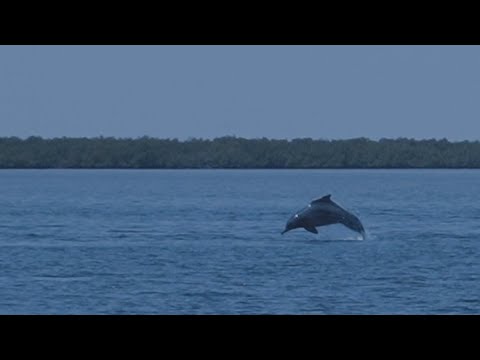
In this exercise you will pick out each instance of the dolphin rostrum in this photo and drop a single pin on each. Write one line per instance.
(321, 212)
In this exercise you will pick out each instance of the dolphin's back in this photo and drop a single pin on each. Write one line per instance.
(324, 211)
(324, 214)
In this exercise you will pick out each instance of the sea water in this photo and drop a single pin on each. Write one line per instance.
(209, 242)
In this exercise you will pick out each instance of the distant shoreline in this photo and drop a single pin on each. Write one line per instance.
(236, 153)
(237, 169)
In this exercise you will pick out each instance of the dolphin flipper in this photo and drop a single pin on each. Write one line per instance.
(312, 229)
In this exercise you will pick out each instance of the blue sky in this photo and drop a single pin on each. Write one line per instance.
(330, 92)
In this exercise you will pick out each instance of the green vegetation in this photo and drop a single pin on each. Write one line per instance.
(233, 152)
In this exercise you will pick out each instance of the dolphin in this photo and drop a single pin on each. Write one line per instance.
(321, 212)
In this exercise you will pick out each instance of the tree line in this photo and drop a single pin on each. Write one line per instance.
(232, 152)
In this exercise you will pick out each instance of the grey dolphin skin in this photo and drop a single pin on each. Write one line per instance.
(321, 212)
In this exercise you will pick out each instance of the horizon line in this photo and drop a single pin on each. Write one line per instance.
(193, 138)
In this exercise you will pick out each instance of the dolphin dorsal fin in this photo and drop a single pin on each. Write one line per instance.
(324, 199)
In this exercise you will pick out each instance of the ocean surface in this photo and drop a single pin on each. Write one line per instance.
(208, 242)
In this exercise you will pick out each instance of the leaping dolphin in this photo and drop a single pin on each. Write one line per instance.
(321, 212)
